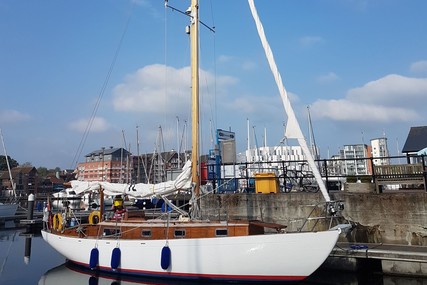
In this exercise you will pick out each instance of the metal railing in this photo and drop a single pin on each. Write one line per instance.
(296, 175)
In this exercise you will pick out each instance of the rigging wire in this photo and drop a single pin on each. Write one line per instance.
(215, 110)
(101, 93)
(177, 90)
(166, 85)
(211, 105)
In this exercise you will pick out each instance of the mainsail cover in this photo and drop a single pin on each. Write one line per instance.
(139, 190)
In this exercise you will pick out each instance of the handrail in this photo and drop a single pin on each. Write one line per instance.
(331, 173)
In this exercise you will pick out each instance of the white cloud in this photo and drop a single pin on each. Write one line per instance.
(153, 89)
(158, 89)
(326, 78)
(310, 41)
(390, 90)
(225, 58)
(345, 110)
(13, 116)
(419, 66)
(245, 104)
(267, 105)
(393, 98)
(249, 66)
(98, 125)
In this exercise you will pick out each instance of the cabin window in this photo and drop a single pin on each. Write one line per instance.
(221, 232)
(179, 233)
(111, 232)
(146, 233)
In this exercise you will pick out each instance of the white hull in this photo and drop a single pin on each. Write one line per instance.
(274, 257)
(8, 210)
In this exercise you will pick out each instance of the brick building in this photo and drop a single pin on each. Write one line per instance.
(25, 179)
(107, 164)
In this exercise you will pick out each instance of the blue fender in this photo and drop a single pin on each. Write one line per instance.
(94, 258)
(165, 258)
(115, 258)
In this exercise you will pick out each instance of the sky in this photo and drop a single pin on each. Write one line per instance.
(358, 67)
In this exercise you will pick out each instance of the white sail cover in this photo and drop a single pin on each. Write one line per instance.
(139, 190)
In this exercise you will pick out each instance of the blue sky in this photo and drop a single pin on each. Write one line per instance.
(360, 66)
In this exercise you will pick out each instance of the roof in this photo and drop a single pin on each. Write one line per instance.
(55, 180)
(23, 169)
(107, 151)
(416, 140)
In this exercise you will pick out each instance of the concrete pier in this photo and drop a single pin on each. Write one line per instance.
(390, 259)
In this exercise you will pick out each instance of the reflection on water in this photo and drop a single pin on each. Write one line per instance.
(45, 268)
(342, 277)
(70, 274)
(66, 274)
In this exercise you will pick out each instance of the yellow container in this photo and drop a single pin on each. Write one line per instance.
(266, 183)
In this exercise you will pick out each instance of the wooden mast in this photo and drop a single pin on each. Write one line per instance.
(194, 39)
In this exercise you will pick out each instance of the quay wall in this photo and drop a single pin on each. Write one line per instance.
(389, 218)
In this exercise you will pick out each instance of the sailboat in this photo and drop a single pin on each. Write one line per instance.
(9, 208)
(187, 246)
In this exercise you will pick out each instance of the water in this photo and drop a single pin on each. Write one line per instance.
(45, 266)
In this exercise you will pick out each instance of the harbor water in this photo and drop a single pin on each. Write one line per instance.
(26, 259)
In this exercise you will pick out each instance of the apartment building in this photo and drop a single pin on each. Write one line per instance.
(356, 160)
(106, 164)
(380, 152)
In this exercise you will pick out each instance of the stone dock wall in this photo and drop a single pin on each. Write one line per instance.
(389, 218)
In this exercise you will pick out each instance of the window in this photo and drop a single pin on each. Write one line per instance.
(179, 233)
(111, 232)
(221, 232)
(146, 233)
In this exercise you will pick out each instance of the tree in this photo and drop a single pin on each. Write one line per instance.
(3, 164)
(42, 171)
